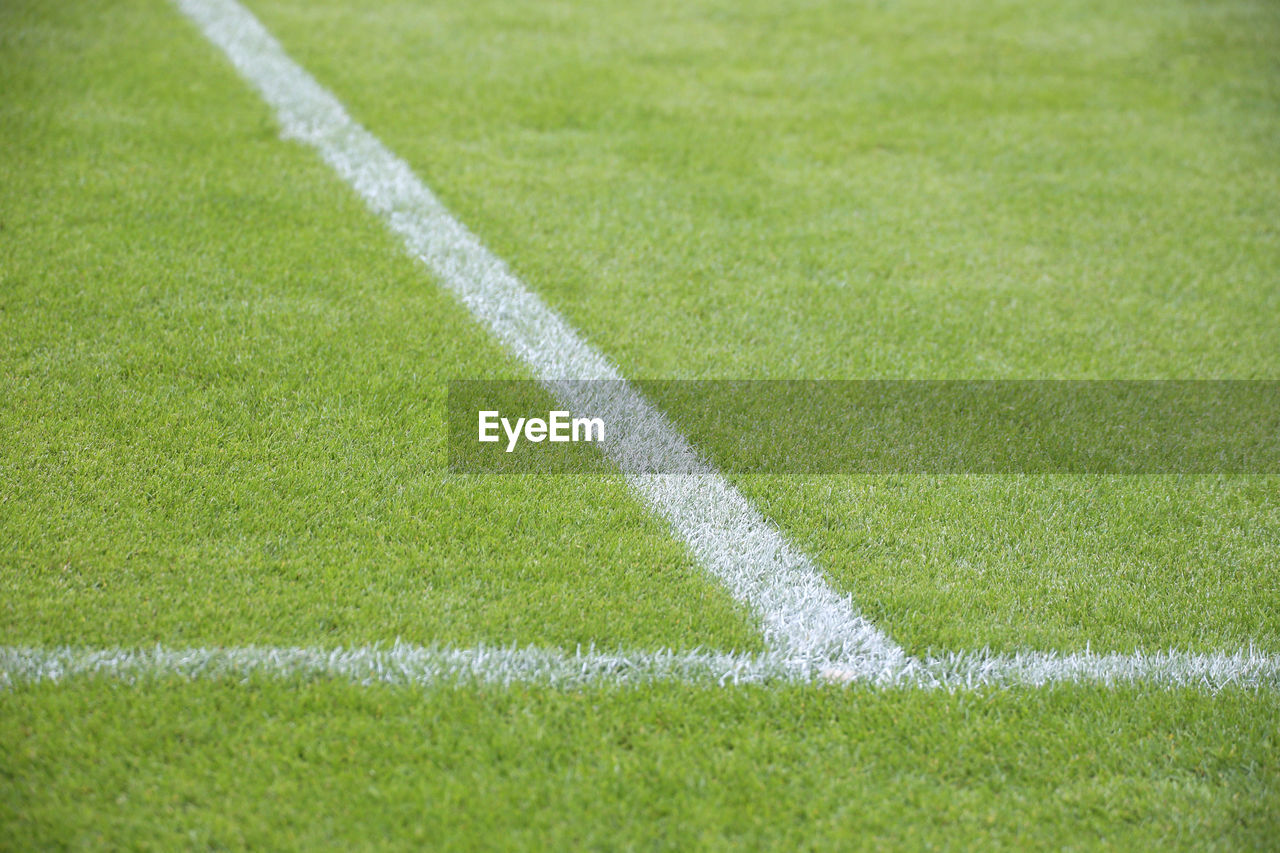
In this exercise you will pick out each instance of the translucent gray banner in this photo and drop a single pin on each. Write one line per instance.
(867, 426)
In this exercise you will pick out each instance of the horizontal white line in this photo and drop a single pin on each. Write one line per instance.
(409, 665)
(800, 613)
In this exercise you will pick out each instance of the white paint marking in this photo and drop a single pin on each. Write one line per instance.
(802, 616)
(420, 666)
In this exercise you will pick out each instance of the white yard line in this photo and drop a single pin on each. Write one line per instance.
(402, 664)
(801, 615)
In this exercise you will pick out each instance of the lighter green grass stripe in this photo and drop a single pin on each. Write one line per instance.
(424, 666)
(801, 615)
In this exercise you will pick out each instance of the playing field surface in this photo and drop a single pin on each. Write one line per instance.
(245, 601)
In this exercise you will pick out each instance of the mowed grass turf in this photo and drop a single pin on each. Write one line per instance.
(825, 190)
(223, 414)
(889, 190)
(271, 764)
(224, 392)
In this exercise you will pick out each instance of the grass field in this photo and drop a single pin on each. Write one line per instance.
(224, 417)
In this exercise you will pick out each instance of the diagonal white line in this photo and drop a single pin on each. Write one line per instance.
(801, 615)
(421, 666)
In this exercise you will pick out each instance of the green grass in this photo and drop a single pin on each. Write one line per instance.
(329, 765)
(889, 190)
(825, 190)
(223, 414)
(1047, 561)
(224, 392)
